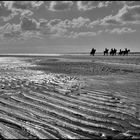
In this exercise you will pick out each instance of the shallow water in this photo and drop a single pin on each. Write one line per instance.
(38, 104)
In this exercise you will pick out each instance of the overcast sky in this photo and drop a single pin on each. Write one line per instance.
(68, 26)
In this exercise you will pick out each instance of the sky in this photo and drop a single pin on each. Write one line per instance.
(68, 26)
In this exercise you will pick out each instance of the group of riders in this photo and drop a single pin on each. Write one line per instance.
(112, 51)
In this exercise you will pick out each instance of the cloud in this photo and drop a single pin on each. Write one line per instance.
(9, 28)
(5, 13)
(130, 14)
(61, 28)
(43, 23)
(89, 5)
(36, 4)
(10, 31)
(54, 22)
(16, 31)
(16, 8)
(92, 24)
(27, 28)
(28, 24)
(58, 32)
(84, 34)
(126, 15)
(67, 28)
(8, 4)
(60, 5)
(80, 22)
(73, 34)
(125, 2)
(110, 20)
(24, 8)
(120, 30)
(4, 27)
(22, 5)
(12, 35)
(74, 23)
(30, 34)
(55, 28)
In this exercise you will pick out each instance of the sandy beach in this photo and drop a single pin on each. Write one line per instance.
(70, 97)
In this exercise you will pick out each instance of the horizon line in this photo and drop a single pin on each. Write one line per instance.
(51, 54)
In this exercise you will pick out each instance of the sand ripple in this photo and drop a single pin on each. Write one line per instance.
(34, 104)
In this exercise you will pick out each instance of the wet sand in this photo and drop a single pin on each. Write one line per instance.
(73, 97)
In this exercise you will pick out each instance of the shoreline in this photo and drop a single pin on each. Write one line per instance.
(63, 54)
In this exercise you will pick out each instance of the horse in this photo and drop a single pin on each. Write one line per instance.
(126, 52)
(93, 51)
(106, 51)
(121, 52)
(113, 52)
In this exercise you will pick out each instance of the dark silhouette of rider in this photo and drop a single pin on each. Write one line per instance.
(111, 52)
(93, 51)
(125, 49)
(114, 51)
(106, 49)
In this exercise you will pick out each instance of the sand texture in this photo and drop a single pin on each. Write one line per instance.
(70, 97)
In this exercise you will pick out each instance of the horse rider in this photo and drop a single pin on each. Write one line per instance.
(111, 52)
(114, 51)
(120, 52)
(93, 51)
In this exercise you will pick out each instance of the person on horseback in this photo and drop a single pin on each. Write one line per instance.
(111, 52)
(114, 51)
(106, 51)
(120, 52)
(93, 51)
(126, 51)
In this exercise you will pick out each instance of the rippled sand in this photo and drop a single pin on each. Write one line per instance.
(69, 97)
